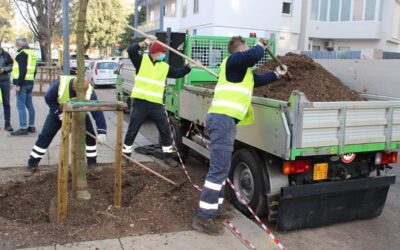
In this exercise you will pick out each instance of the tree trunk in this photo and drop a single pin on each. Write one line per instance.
(82, 190)
(44, 51)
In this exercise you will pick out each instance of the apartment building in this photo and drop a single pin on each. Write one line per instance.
(342, 25)
(337, 25)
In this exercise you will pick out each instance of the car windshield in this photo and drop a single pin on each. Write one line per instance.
(107, 65)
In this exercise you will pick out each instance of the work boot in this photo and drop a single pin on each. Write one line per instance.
(207, 225)
(7, 127)
(31, 129)
(30, 171)
(223, 216)
(21, 131)
(169, 160)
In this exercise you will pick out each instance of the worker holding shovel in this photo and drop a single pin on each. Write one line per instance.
(147, 94)
(231, 106)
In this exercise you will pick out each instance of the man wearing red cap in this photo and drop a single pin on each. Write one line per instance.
(147, 93)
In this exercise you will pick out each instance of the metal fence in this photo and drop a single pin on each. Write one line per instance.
(212, 50)
(332, 54)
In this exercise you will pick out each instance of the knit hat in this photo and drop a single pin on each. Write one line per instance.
(156, 47)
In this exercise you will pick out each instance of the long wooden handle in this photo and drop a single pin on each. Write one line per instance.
(277, 60)
(176, 52)
(138, 163)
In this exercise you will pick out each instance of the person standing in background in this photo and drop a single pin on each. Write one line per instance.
(6, 64)
(24, 71)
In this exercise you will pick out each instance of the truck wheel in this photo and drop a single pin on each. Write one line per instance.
(177, 132)
(246, 176)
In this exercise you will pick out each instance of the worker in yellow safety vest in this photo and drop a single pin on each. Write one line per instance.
(23, 74)
(231, 106)
(60, 92)
(147, 93)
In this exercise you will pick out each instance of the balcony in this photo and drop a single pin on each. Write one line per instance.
(149, 26)
(345, 30)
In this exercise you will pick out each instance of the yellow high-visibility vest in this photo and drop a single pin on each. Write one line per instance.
(31, 66)
(234, 99)
(63, 89)
(150, 81)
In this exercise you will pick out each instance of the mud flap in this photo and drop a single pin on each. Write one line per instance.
(332, 202)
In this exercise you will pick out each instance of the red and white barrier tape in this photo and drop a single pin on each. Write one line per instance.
(240, 196)
(234, 229)
(179, 156)
(263, 226)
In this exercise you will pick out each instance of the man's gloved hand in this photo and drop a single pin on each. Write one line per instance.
(60, 116)
(281, 71)
(194, 65)
(262, 42)
(101, 138)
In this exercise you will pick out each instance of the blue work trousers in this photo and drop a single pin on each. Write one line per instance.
(222, 131)
(24, 101)
(5, 93)
(50, 128)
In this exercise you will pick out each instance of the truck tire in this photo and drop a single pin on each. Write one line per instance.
(177, 132)
(247, 177)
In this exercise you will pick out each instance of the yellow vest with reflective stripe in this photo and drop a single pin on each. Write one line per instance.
(63, 89)
(31, 65)
(150, 81)
(234, 99)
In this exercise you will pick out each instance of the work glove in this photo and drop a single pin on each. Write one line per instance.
(262, 42)
(60, 116)
(150, 39)
(194, 65)
(101, 138)
(281, 71)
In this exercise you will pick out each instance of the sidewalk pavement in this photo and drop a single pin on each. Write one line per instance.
(17, 153)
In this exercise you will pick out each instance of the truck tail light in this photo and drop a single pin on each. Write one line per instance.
(296, 167)
(383, 158)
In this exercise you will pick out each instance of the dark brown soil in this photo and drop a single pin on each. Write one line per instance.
(309, 77)
(147, 207)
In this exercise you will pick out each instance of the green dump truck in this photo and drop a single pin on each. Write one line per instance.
(301, 163)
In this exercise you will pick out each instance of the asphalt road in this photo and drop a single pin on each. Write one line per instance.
(382, 232)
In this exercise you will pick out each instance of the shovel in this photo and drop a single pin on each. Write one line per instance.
(278, 61)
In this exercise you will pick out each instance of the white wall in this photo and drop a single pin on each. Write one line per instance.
(375, 77)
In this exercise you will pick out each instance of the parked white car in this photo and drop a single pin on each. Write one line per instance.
(102, 72)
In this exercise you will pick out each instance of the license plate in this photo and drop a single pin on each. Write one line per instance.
(320, 171)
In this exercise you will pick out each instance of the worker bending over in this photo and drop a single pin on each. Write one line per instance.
(231, 106)
(61, 91)
(147, 94)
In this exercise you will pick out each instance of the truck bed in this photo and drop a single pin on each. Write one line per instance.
(302, 128)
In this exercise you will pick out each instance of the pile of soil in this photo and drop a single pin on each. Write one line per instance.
(308, 77)
(147, 207)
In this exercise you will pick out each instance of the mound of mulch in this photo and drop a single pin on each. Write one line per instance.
(308, 77)
(148, 206)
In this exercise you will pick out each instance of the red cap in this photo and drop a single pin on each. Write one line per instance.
(156, 47)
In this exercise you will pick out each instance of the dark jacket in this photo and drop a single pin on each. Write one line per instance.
(238, 63)
(6, 62)
(136, 58)
(51, 99)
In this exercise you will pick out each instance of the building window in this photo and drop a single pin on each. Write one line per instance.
(184, 8)
(314, 9)
(195, 6)
(334, 11)
(345, 11)
(358, 10)
(323, 15)
(370, 6)
(381, 10)
(316, 48)
(287, 7)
